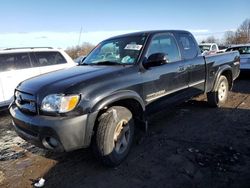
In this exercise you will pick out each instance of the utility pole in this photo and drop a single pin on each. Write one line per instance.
(80, 36)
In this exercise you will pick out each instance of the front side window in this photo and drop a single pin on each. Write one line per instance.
(48, 58)
(125, 50)
(14, 61)
(164, 43)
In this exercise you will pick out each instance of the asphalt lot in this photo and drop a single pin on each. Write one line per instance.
(191, 145)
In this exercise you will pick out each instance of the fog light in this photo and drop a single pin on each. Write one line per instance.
(50, 143)
(53, 142)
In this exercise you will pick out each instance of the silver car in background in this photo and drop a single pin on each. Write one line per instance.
(244, 50)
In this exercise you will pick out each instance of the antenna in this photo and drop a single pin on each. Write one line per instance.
(80, 34)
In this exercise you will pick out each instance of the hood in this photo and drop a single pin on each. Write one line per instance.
(62, 79)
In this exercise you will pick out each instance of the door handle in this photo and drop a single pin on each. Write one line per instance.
(181, 68)
(190, 66)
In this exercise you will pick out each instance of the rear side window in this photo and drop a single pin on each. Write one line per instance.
(187, 45)
(14, 61)
(48, 58)
(164, 43)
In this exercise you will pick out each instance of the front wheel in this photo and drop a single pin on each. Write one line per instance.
(218, 97)
(114, 135)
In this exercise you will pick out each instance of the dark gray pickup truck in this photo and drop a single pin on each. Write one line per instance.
(102, 100)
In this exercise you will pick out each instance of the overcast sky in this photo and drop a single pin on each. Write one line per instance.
(58, 23)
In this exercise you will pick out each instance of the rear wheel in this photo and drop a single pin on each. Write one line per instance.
(114, 136)
(218, 97)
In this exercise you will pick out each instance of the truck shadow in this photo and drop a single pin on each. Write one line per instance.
(242, 84)
(4, 112)
(190, 146)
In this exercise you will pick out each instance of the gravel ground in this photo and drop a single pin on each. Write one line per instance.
(191, 145)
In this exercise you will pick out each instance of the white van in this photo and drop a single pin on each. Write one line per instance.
(18, 64)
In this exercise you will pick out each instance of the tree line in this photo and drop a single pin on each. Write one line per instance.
(79, 50)
(240, 36)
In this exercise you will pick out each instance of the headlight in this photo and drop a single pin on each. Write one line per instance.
(59, 103)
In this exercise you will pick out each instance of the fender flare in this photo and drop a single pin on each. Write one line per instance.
(117, 96)
(219, 73)
(114, 97)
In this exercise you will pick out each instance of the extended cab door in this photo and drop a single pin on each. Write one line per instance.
(166, 79)
(194, 63)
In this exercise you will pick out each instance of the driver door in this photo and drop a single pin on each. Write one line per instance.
(167, 80)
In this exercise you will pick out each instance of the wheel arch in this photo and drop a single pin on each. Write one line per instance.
(118, 97)
(227, 72)
(127, 99)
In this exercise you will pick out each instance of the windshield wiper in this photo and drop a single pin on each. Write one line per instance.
(82, 64)
(106, 63)
(102, 63)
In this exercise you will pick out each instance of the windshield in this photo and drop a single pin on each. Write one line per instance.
(120, 51)
(242, 50)
(204, 48)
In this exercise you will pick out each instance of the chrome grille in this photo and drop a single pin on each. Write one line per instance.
(25, 102)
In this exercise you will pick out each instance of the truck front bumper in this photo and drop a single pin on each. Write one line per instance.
(54, 133)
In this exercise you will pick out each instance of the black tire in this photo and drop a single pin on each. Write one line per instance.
(114, 135)
(219, 95)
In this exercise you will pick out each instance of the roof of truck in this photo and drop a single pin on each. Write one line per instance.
(148, 33)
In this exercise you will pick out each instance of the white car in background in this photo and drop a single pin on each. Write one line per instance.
(18, 64)
(209, 48)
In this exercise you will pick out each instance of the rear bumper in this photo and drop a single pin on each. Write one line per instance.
(54, 133)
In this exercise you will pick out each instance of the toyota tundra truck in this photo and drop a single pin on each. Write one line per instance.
(101, 101)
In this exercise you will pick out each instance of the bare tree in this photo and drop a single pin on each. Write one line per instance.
(243, 32)
(210, 39)
(241, 36)
(229, 38)
(77, 51)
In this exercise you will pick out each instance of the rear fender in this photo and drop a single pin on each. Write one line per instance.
(220, 72)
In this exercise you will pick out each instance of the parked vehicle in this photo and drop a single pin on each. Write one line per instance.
(222, 49)
(209, 48)
(102, 100)
(18, 64)
(244, 50)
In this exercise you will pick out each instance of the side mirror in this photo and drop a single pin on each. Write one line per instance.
(80, 60)
(156, 59)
